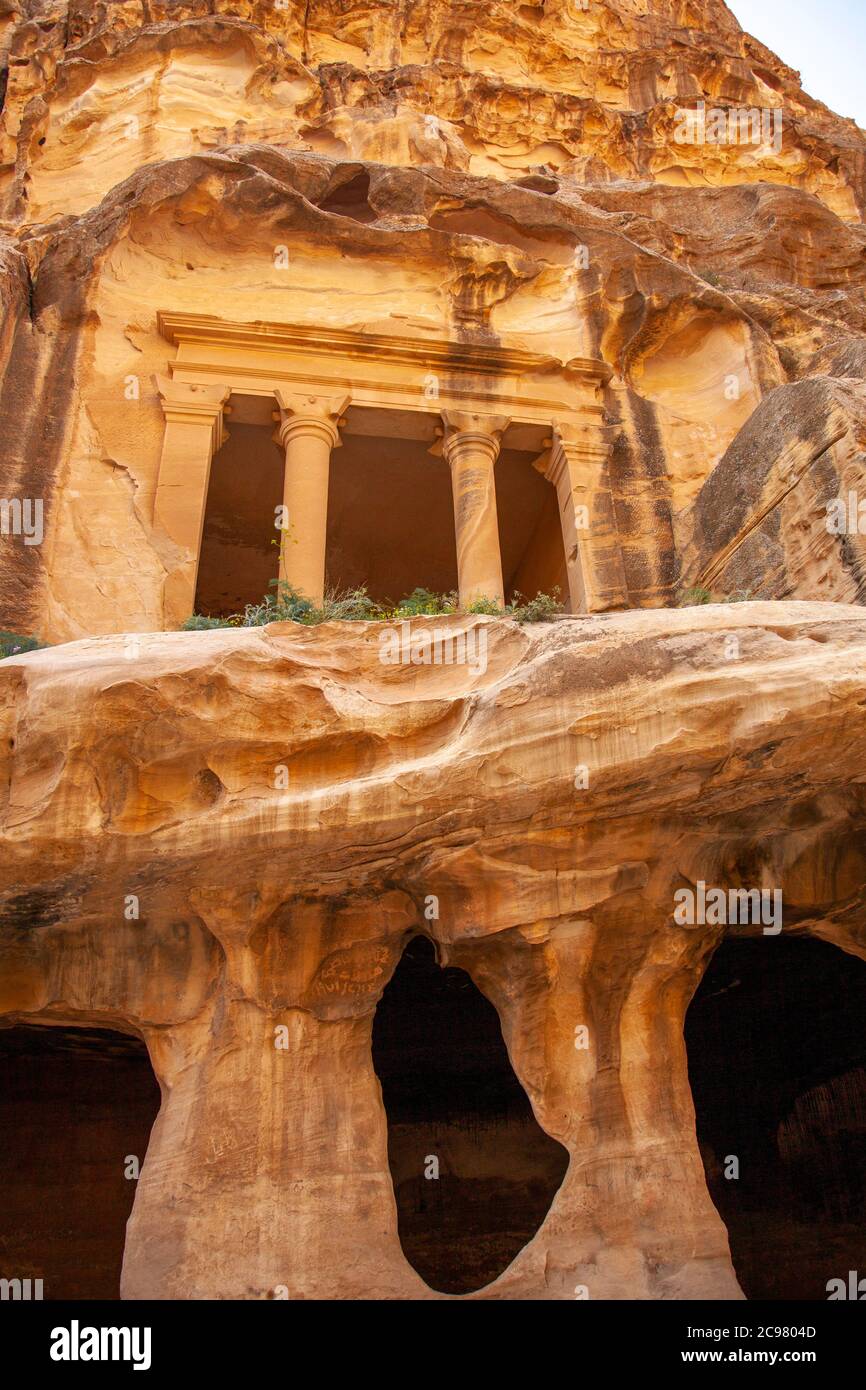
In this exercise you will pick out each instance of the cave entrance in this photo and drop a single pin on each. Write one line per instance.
(776, 1038)
(239, 555)
(76, 1104)
(452, 1099)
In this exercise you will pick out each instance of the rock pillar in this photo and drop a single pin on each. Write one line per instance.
(194, 430)
(471, 447)
(308, 431)
(577, 467)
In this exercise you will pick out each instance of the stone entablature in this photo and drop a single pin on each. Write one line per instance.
(465, 400)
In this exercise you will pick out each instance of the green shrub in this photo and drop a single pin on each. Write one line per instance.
(199, 623)
(694, 597)
(422, 602)
(287, 604)
(691, 598)
(488, 606)
(11, 644)
(354, 606)
(541, 609)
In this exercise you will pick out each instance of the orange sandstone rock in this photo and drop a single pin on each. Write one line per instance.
(464, 289)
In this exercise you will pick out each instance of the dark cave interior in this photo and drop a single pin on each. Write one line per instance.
(450, 1093)
(776, 1038)
(75, 1105)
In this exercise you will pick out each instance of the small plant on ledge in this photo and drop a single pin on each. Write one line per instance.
(286, 604)
(13, 645)
(422, 602)
(697, 595)
(541, 609)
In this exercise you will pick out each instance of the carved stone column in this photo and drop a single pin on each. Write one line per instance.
(577, 467)
(308, 431)
(194, 430)
(471, 447)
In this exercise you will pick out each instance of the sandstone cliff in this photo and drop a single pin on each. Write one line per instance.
(485, 202)
(460, 171)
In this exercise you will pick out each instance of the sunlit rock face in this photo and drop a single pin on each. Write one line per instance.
(495, 89)
(618, 255)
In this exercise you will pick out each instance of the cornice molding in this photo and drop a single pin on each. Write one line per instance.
(430, 353)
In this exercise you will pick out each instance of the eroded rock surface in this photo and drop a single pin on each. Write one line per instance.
(223, 841)
(264, 908)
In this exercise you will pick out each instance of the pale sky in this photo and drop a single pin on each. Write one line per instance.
(825, 40)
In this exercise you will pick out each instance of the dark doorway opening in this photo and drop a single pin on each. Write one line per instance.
(390, 519)
(239, 554)
(75, 1105)
(776, 1038)
(451, 1095)
(530, 531)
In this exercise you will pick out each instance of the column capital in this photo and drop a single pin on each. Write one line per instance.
(194, 403)
(577, 464)
(308, 414)
(579, 442)
(462, 429)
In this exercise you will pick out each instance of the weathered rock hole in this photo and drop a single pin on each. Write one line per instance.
(75, 1105)
(553, 248)
(351, 200)
(452, 1097)
(777, 1064)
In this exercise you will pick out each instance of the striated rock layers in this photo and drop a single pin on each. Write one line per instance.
(466, 290)
(263, 908)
